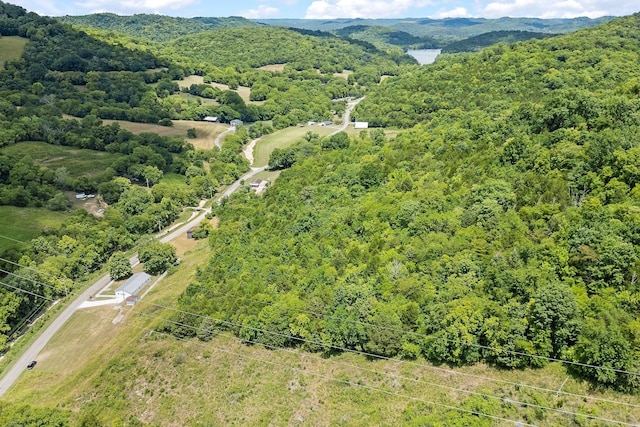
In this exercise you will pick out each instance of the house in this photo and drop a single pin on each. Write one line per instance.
(210, 119)
(132, 300)
(236, 123)
(133, 285)
(255, 183)
(326, 123)
(361, 125)
(81, 196)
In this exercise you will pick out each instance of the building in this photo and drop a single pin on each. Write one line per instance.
(190, 233)
(132, 300)
(210, 119)
(133, 285)
(361, 125)
(236, 123)
(256, 183)
(326, 123)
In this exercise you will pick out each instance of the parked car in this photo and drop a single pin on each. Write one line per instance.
(31, 364)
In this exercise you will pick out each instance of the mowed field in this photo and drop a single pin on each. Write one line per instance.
(283, 139)
(206, 132)
(11, 47)
(24, 224)
(243, 91)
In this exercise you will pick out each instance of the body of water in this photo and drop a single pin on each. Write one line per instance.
(425, 56)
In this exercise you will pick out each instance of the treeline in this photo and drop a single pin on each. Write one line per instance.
(476, 43)
(503, 227)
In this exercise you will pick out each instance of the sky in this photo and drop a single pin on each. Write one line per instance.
(330, 9)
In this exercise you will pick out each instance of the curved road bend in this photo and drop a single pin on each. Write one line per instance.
(32, 352)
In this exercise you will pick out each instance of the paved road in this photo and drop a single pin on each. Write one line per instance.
(218, 141)
(347, 115)
(32, 352)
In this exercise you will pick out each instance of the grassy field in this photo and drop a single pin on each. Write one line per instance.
(26, 223)
(77, 161)
(243, 91)
(11, 47)
(205, 132)
(283, 139)
(273, 67)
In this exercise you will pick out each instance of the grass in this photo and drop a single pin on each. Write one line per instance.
(205, 132)
(24, 224)
(273, 67)
(11, 47)
(77, 161)
(283, 139)
(243, 91)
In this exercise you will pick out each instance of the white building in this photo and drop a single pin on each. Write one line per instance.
(133, 285)
(361, 125)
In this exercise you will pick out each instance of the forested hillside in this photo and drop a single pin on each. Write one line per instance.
(476, 43)
(503, 227)
(156, 27)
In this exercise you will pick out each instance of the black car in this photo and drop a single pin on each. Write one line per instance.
(31, 364)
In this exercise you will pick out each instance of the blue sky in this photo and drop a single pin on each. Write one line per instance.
(328, 9)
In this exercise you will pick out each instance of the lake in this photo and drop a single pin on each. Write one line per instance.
(425, 56)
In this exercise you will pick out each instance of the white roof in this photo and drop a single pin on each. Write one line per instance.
(134, 283)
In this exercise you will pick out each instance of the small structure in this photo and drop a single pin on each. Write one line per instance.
(133, 285)
(81, 196)
(361, 125)
(132, 300)
(190, 233)
(326, 123)
(236, 122)
(210, 119)
(311, 123)
(255, 183)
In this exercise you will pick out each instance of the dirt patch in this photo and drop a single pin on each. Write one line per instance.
(94, 205)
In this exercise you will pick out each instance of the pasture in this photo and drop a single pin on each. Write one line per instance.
(11, 47)
(24, 224)
(282, 139)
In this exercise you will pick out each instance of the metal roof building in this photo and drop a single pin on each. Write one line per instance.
(133, 285)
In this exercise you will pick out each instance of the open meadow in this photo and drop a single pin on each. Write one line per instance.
(11, 47)
(77, 161)
(284, 138)
(23, 224)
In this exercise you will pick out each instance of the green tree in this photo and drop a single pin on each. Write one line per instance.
(119, 266)
(157, 257)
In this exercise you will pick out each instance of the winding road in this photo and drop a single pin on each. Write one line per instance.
(32, 352)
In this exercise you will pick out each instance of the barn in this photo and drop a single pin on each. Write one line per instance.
(133, 285)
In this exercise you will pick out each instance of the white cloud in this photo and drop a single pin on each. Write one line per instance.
(458, 12)
(133, 6)
(331, 9)
(557, 8)
(261, 12)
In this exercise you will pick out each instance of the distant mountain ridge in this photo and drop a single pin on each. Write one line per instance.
(157, 27)
(447, 29)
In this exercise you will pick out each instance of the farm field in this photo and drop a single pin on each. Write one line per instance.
(77, 161)
(11, 47)
(26, 223)
(243, 91)
(205, 132)
(283, 139)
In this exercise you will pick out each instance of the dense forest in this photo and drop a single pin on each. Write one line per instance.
(476, 43)
(502, 227)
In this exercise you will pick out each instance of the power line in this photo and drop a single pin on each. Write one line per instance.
(351, 383)
(14, 240)
(489, 396)
(371, 355)
(33, 281)
(27, 292)
(387, 328)
(35, 269)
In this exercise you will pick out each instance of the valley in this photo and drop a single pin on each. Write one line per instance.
(342, 237)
